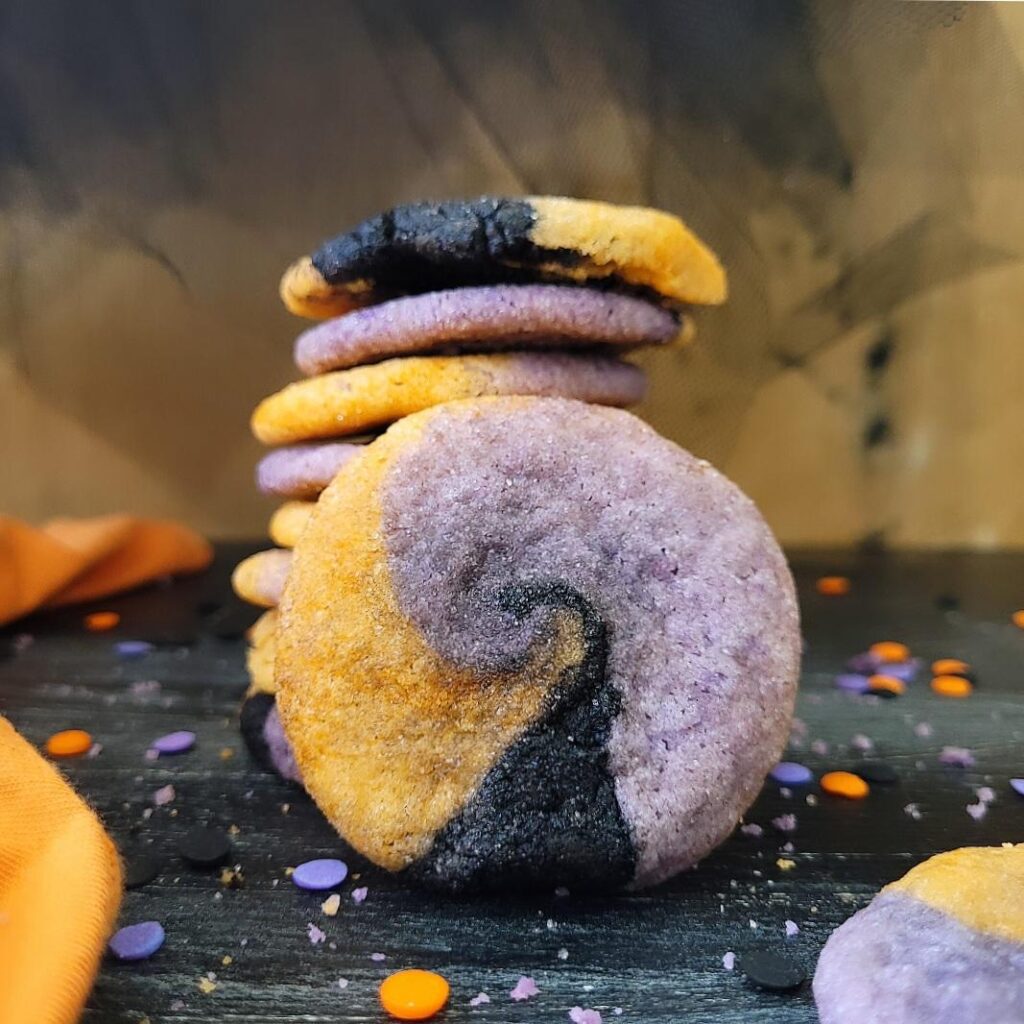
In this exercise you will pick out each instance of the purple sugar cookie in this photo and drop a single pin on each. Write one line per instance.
(943, 945)
(303, 470)
(484, 319)
(531, 642)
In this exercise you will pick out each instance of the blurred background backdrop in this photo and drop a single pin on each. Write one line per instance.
(859, 167)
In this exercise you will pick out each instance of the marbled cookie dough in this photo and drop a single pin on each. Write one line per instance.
(530, 641)
(943, 945)
(354, 401)
(429, 246)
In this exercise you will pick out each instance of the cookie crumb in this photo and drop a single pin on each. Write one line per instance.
(526, 988)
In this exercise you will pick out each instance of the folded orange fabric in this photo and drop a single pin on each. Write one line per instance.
(69, 560)
(60, 889)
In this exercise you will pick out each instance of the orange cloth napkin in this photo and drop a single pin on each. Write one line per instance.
(69, 560)
(60, 888)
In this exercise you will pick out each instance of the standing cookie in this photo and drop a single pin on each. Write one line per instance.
(529, 641)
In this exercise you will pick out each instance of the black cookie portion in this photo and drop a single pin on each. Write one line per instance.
(253, 716)
(422, 247)
(546, 814)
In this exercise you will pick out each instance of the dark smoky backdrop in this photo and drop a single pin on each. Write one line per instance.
(859, 168)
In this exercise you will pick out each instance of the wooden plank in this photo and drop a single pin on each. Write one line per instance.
(657, 955)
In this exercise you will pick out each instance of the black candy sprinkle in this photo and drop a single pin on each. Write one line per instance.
(883, 693)
(205, 847)
(947, 602)
(140, 869)
(771, 971)
(877, 772)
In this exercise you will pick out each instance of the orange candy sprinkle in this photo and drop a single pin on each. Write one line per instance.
(413, 995)
(833, 586)
(950, 667)
(952, 686)
(100, 622)
(1018, 618)
(889, 650)
(844, 784)
(890, 684)
(69, 743)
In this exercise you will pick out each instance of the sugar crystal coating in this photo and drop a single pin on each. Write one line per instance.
(595, 618)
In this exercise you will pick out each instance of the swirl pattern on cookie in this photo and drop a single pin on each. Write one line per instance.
(528, 640)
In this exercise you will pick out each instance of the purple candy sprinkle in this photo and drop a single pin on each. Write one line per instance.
(905, 671)
(852, 683)
(174, 742)
(320, 874)
(789, 773)
(131, 649)
(863, 664)
(1017, 785)
(137, 941)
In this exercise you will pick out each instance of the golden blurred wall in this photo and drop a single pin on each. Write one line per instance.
(859, 166)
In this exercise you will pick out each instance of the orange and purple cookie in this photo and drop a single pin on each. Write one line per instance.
(260, 578)
(529, 641)
(302, 470)
(943, 945)
(429, 246)
(486, 319)
(354, 401)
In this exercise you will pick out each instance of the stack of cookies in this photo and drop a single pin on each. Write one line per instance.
(518, 635)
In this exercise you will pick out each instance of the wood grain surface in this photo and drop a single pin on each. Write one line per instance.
(656, 955)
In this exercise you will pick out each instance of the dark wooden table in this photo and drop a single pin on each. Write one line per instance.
(657, 955)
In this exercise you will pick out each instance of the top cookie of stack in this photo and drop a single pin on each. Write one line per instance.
(431, 302)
